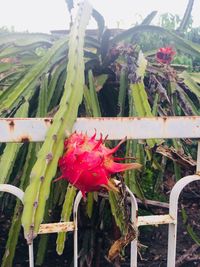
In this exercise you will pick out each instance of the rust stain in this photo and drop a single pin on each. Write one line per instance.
(47, 121)
(25, 139)
(11, 124)
(164, 119)
(56, 227)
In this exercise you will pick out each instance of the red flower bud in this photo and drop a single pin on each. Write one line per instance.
(165, 55)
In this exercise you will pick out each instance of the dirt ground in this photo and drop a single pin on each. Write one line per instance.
(188, 252)
(154, 254)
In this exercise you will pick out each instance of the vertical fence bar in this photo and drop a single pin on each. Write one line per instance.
(7, 188)
(75, 216)
(31, 255)
(173, 212)
(134, 213)
(198, 159)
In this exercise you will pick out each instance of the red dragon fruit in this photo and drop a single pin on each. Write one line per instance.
(88, 164)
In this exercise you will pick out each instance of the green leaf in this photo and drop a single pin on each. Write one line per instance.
(55, 74)
(140, 98)
(90, 203)
(87, 101)
(16, 219)
(192, 86)
(142, 65)
(116, 212)
(131, 176)
(34, 73)
(13, 50)
(149, 18)
(141, 105)
(24, 39)
(58, 89)
(65, 217)
(11, 150)
(42, 246)
(100, 21)
(96, 111)
(12, 237)
(186, 18)
(189, 228)
(187, 104)
(5, 67)
(42, 105)
(195, 76)
(155, 105)
(122, 91)
(99, 81)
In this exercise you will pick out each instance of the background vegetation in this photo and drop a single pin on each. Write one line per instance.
(122, 78)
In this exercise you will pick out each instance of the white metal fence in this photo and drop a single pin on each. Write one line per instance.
(34, 130)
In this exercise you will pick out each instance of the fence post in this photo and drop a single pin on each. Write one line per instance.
(134, 216)
(134, 211)
(173, 212)
(7, 188)
(75, 214)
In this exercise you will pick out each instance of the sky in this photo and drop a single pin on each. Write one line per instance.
(47, 15)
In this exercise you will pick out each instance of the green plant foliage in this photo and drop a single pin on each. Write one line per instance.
(16, 220)
(149, 18)
(11, 150)
(187, 17)
(123, 79)
(189, 227)
(34, 73)
(116, 212)
(169, 21)
(93, 96)
(183, 44)
(65, 216)
(193, 86)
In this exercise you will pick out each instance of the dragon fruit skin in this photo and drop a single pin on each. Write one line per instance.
(88, 164)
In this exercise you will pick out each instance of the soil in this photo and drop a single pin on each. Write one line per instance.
(154, 254)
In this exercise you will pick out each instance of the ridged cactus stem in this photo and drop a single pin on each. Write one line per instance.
(46, 165)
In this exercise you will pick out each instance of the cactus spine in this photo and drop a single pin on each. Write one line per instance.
(45, 167)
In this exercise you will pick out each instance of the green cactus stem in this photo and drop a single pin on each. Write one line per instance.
(45, 167)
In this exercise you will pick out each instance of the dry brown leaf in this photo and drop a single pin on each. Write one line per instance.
(177, 156)
(119, 244)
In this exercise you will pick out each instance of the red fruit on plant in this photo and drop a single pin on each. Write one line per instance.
(88, 164)
(165, 55)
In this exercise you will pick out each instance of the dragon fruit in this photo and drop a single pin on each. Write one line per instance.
(88, 164)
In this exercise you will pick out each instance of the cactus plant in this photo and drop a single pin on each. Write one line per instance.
(46, 165)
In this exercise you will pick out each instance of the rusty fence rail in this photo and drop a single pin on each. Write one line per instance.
(34, 130)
